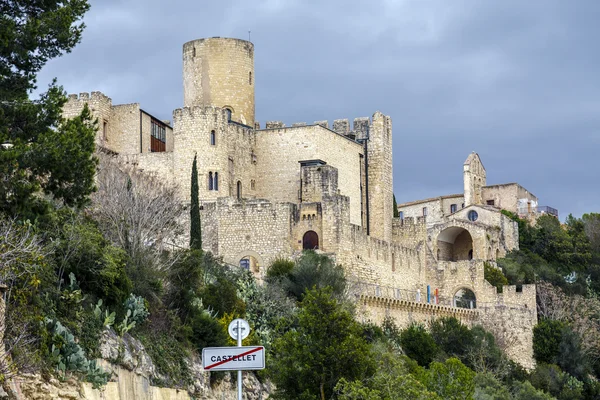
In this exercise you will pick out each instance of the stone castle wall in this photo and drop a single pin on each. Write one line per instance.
(280, 176)
(509, 196)
(232, 156)
(258, 228)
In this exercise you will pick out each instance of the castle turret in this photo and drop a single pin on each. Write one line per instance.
(474, 178)
(380, 174)
(219, 72)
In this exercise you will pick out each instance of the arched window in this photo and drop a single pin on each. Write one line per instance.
(210, 181)
(213, 138)
(239, 190)
(465, 298)
(216, 184)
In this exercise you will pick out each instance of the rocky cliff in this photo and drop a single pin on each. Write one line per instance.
(132, 374)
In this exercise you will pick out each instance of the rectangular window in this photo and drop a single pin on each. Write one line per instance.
(401, 214)
(158, 136)
(105, 131)
(452, 208)
(490, 202)
(424, 211)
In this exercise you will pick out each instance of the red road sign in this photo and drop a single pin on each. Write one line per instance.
(233, 358)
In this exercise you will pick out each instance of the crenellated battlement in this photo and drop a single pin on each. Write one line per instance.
(87, 97)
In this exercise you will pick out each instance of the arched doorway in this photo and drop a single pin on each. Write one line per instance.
(310, 241)
(465, 298)
(455, 244)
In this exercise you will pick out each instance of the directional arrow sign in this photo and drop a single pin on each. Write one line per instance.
(233, 358)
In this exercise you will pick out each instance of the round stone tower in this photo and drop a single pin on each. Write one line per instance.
(219, 72)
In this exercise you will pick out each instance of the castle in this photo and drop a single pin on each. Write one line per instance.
(271, 192)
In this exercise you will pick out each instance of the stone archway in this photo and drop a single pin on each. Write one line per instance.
(310, 241)
(464, 298)
(454, 244)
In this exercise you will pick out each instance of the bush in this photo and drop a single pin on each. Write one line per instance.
(494, 276)
(487, 387)
(136, 306)
(279, 269)
(314, 270)
(551, 379)
(547, 336)
(451, 380)
(418, 344)
(452, 337)
(221, 298)
(68, 356)
(206, 331)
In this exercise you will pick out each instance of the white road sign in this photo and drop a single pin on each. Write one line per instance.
(233, 358)
(244, 328)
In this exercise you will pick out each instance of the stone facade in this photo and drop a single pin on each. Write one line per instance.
(273, 192)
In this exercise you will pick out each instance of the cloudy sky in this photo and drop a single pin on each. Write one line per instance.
(516, 81)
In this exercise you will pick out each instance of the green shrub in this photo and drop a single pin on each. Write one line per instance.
(452, 337)
(451, 380)
(169, 354)
(137, 306)
(487, 387)
(221, 298)
(314, 270)
(206, 331)
(494, 276)
(418, 344)
(547, 336)
(68, 356)
(279, 269)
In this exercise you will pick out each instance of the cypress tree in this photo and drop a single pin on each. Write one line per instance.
(396, 214)
(195, 227)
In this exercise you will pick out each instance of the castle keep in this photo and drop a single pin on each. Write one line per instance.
(272, 191)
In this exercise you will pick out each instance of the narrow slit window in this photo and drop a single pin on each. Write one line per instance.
(210, 181)
(213, 138)
(216, 184)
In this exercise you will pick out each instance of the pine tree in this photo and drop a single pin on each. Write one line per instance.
(195, 228)
(396, 213)
(40, 153)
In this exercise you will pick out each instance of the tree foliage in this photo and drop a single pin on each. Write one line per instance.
(326, 345)
(313, 270)
(39, 151)
(494, 276)
(195, 224)
(418, 344)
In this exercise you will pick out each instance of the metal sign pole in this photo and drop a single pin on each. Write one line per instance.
(239, 343)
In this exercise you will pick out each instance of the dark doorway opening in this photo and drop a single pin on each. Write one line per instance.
(310, 241)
